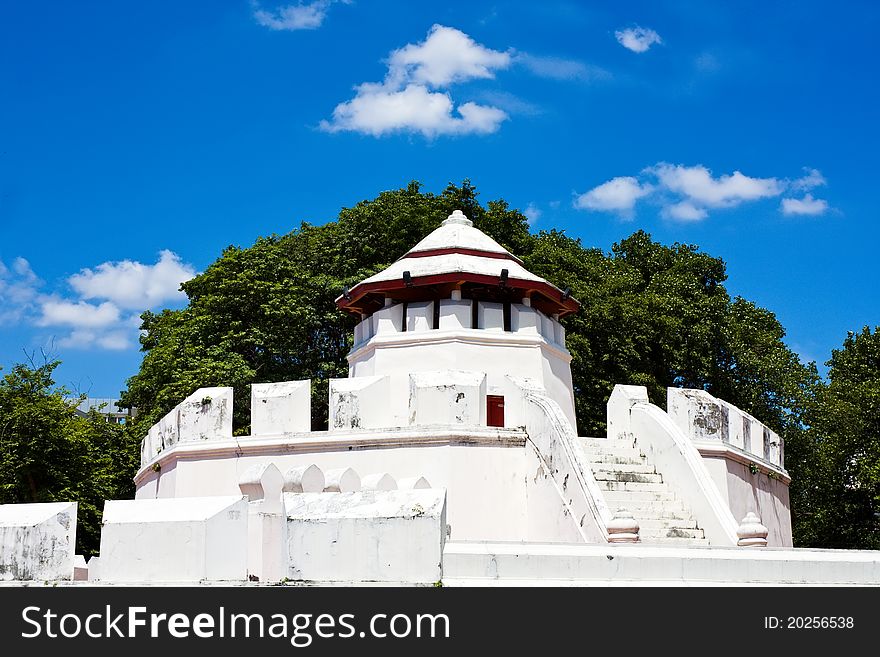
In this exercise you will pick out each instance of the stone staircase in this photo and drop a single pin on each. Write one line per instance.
(629, 482)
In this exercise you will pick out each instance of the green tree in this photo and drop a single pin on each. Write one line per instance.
(836, 468)
(50, 454)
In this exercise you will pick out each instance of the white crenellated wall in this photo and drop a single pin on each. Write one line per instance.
(283, 407)
(707, 419)
(204, 415)
(744, 457)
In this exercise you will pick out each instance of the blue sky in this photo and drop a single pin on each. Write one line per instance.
(137, 140)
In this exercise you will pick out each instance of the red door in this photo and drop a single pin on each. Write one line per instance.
(495, 410)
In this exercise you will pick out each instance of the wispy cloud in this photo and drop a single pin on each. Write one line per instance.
(560, 68)
(510, 103)
(807, 205)
(690, 193)
(532, 213)
(617, 195)
(638, 39)
(19, 289)
(302, 16)
(811, 179)
(103, 310)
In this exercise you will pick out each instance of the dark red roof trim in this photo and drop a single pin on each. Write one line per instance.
(463, 251)
(551, 292)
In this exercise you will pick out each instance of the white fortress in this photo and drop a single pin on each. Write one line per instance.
(452, 456)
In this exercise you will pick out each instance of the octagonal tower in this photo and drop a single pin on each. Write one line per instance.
(455, 306)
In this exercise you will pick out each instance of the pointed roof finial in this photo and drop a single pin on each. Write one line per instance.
(458, 217)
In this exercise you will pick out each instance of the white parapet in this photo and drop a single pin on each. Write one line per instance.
(524, 319)
(304, 479)
(707, 419)
(184, 539)
(283, 407)
(447, 397)
(490, 316)
(412, 483)
(342, 480)
(369, 536)
(378, 481)
(420, 316)
(388, 320)
(359, 403)
(262, 484)
(37, 541)
(204, 415)
(456, 314)
(617, 415)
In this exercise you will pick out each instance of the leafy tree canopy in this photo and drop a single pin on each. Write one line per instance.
(836, 470)
(49, 453)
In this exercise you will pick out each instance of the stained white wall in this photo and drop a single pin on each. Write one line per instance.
(281, 407)
(377, 536)
(175, 540)
(37, 541)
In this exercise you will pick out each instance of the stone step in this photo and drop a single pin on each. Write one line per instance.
(674, 541)
(615, 460)
(627, 477)
(633, 486)
(670, 532)
(651, 523)
(636, 468)
(642, 499)
(611, 448)
(660, 515)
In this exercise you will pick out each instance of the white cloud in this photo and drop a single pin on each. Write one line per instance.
(103, 311)
(377, 111)
(807, 205)
(617, 195)
(134, 285)
(558, 68)
(86, 339)
(302, 16)
(637, 39)
(445, 57)
(689, 193)
(699, 186)
(410, 98)
(532, 213)
(82, 314)
(684, 211)
(812, 178)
